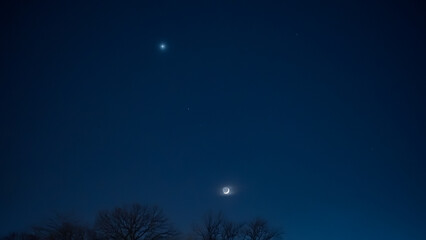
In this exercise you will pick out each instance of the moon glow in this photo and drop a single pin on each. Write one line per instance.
(226, 190)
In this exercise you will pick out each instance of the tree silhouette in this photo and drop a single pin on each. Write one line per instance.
(20, 236)
(135, 222)
(138, 222)
(211, 228)
(231, 230)
(258, 229)
(217, 227)
(62, 228)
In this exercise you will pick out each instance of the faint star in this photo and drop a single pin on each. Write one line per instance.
(162, 46)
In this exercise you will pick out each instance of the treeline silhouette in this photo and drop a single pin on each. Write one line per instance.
(141, 222)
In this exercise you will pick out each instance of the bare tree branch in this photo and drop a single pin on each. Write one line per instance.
(258, 229)
(62, 228)
(134, 222)
(231, 230)
(211, 227)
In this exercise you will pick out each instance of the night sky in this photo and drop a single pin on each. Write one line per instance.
(313, 111)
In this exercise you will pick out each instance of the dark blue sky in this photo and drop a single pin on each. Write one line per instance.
(314, 111)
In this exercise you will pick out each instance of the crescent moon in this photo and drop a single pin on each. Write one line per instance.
(226, 190)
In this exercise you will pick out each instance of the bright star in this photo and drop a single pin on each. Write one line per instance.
(163, 46)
